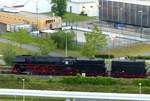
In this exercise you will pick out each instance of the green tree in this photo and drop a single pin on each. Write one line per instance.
(46, 45)
(59, 7)
(94, 41)
(60, 38)
(22, 36)
(8, 54)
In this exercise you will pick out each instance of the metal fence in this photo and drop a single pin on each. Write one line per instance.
(123, 12)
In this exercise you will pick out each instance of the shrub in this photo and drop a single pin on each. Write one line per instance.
(8, 55)
(144, 82)
(83, 14)
(89, 80)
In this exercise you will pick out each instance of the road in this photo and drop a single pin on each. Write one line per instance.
(73, 94)
(105, 26)
(25, 46)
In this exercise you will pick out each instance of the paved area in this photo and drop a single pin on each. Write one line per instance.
(92, 100)
(25, 46)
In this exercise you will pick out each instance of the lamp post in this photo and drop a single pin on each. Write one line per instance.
(36, 1)
(23, 89)
(140, 88)
(66, 45)
(141, 25)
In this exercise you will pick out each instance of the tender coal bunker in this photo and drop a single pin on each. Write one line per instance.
(128, 67)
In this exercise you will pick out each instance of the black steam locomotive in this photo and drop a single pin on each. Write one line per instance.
(48, 65)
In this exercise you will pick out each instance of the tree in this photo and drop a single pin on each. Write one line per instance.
(94, 41)
(22, 36)
(59, 7)
(8, 54)
(46, 45)
(60, 39)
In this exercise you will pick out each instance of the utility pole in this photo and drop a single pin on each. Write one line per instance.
(66, 48)
(23, 99)
(37, 14)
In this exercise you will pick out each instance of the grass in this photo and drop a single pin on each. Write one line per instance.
(74, 53)
(18, 50)
(36, 42)
(27, 40)
(16, 98)
(76, 17)
(120, 85)
(131, 50)
(56, 83)
(72, 17)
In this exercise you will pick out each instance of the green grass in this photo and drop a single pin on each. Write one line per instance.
(36, 42)
(72, 17)
(75, 53)
(16, 98)
(18, 50)
(57, 83)
(29, 40)
(76, 17)
(88, 84)
(130, 50)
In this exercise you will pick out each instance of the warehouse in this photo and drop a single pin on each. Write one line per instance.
(42, 22)
(33, 6)
(132, 12)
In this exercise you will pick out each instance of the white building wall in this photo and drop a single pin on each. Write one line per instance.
(73, 7)
(42, 5)
(89, 7)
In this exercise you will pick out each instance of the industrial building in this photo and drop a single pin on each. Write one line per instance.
(132, 12)
(89, 7)
(33, 6)
(42, 22)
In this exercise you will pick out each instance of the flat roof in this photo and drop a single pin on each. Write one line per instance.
(82, 1)
(29, 15)
(137, 2)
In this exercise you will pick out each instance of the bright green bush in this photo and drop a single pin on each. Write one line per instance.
(89, 80)
(144, 82)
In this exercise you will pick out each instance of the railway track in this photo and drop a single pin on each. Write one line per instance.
(5, 70)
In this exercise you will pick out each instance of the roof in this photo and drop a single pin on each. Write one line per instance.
(11, 3)
(83, 1)
(29, 15)
(138, 2)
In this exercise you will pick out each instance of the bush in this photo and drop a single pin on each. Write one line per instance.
(104, 56)
(89, 80)
(8, 55)
(60, 38)
(144, 82)
(139, 57)
(83, 14)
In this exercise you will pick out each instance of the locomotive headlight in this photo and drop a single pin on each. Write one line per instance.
(66, 62)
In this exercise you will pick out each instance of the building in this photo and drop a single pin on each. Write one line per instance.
(33, 6)
(37, 6)
(89, 7)
(132, 12)
(42, 22)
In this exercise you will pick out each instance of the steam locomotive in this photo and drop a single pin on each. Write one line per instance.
(49, 65)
